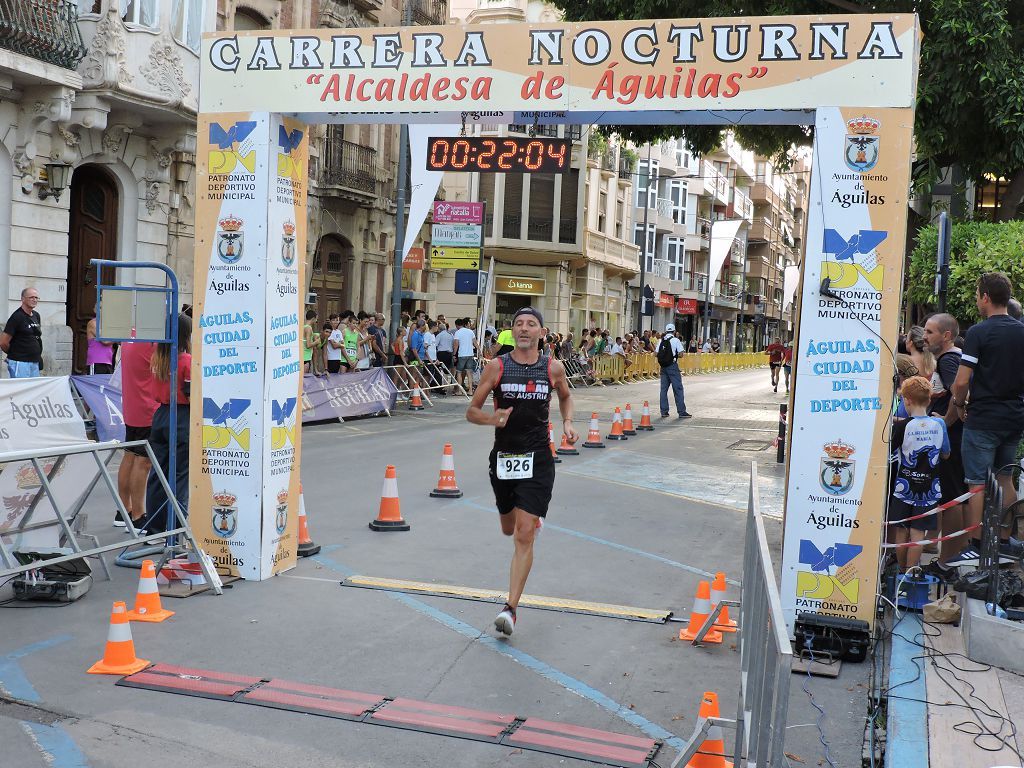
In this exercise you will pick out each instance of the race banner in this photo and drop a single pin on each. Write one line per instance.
(344, 395)
(38, 414)
(250, 243)
(843, 401)
(769, 63)
(102, 394)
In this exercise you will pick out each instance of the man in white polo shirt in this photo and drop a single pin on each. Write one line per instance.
(465, 347)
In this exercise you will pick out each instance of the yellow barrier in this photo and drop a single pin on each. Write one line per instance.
(644, 366)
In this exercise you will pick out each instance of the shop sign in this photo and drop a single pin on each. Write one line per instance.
(527, 286)
(686, 307)
(665, 300)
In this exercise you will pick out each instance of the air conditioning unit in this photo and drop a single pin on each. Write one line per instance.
(311, 297)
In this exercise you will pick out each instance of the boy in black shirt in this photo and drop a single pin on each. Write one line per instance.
(992, 375)
(22, 338)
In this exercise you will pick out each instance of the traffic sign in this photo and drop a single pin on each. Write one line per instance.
(442, 257)
(457, 235)
(458, 213)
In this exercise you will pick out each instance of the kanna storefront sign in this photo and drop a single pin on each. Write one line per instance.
(526, 286)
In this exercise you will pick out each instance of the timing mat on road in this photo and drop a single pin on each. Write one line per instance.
(528, 733)
(429, 589)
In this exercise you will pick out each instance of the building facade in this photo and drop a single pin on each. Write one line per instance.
(98, 123)
(678, 198)
(561, 243)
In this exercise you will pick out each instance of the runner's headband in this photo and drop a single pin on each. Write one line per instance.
(529, 311)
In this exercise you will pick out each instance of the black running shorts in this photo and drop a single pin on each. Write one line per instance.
(530, 495)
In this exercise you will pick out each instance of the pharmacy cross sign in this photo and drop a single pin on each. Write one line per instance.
(853, 77)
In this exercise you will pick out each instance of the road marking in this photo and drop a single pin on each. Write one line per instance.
(548, 526)
(58, 748)
(717, 486)
(655, 615)
(544, 669)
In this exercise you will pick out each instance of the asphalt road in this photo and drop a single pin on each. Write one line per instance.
(638, 523)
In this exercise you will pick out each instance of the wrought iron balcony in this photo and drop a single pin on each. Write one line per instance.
(46, 30)
(351, 165)
(429, 12)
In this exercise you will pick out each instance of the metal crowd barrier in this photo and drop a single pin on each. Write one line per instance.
(70, 520)
(766, 657)
(427, 377)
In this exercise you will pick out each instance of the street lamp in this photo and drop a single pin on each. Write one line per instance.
(57, 176)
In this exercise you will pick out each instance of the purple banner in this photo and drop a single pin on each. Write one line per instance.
(104, 400)
(330, 396)
(342, 395)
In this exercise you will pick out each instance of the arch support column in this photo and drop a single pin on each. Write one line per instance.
(247, 362)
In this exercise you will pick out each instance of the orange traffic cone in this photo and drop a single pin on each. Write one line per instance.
(567, 448)
(594, 434)
(712, 750)
(416, 401)
(701, 610)
(147, 598)
(617, 427)
(645, 419)
(389, 518)
(446, 487)
(119, 656)
(627, 421)
(551, 442)
(307, 546)
(718, 590)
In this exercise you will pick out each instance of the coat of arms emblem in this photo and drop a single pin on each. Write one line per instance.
(836, 473)
(229, 239)
(281, 518)
(288, 244)
(861, 150)
(225, 514)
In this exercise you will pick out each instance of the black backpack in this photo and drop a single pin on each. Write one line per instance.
(665, 354)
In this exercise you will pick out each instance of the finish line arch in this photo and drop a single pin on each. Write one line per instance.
(853, 77)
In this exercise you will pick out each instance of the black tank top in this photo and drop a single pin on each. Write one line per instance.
(526, 389)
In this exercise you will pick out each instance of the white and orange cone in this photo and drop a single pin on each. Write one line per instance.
(119, 655)
(616, 433)
(307, 546)
(147, 597)
(567, 448)
(594, 434)
(389, 517)
(627, 421)
(446, 487)
(551, 443)
(718, 593)
(416, 401)
(699, 614)
(712, 750)
(645, 419)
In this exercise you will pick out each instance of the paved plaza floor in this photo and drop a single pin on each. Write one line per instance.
(638, 523)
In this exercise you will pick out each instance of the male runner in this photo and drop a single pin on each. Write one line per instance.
(775, 352)
(522, 468)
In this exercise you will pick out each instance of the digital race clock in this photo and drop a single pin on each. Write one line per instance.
(500, 154)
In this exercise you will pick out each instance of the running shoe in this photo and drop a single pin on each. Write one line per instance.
(118, 522)
(685, 415)
(505, 621)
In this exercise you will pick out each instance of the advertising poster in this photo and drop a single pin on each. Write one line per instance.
(39, 413)
(285, 302)
(247, 360)
(842, 407)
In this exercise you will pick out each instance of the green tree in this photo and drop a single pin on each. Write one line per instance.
(976, 247)
(970, 108)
